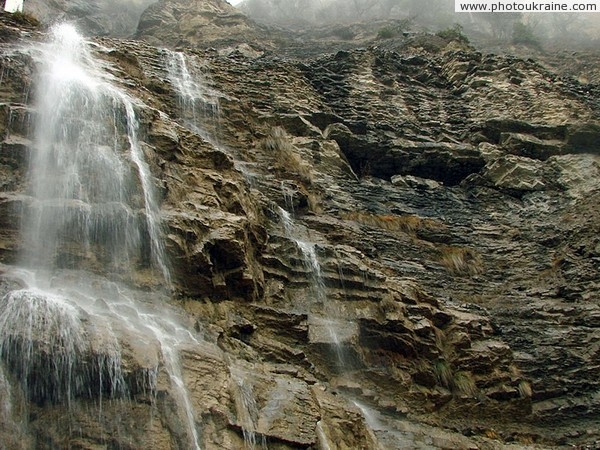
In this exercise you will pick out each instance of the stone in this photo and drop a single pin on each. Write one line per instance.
(530, 146)
(583, 138)
(515, 174)
(211, 22)
(414, 158)
(97, 18)
(409, 181)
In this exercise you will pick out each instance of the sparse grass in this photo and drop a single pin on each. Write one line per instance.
(364, 169)
(523, 34)
(555, 269)
(278, 142)
(454, 33)
(491, 434)
(526, 440)
(463, 384)
(461, 261)
(388, 32)
(409, 224)
(460, 383)
(392, 31)
(558, 262)
(443, 373)
(23, 18)
(440, 338)
(525, 390)
(314, 203)
(344, 33)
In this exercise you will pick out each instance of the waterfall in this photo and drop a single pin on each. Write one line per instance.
(93, 221)
(332, 322)
(246, 407)
(198, 104)
(13, 6)
(309, 255)
(93, 196)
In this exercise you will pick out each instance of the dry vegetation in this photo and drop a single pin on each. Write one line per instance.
(286, 155)
(525, 390)
(443, 373)
(409, 224)
(461, 261)
(25, 19)
(464, 384)
(460, 383)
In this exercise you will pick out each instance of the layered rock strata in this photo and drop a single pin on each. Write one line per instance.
(434, 284)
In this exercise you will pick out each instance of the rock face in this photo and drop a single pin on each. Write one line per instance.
(381, 248)
(95, 17)
(199, 22)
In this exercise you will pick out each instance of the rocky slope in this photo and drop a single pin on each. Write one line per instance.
(435, 285)
(95, 17)
(205, 23)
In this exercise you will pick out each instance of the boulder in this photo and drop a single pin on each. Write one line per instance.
(515, 174)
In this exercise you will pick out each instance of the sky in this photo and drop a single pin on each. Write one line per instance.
(234, 2)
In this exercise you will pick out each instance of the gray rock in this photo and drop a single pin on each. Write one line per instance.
(515, 174)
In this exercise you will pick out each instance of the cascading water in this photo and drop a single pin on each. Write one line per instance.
(93, 221)
(246, 406)
(88, 186)
(331, 323)
(198, 105)
(13, 5)
(309, 255)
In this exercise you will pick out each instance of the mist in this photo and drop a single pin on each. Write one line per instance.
(536, 31)
(95, 17)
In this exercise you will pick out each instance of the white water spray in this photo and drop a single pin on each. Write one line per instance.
(89, 185)
(312, 265)
(198, 104)
(13, 6)
(64, 331)
(246, 407)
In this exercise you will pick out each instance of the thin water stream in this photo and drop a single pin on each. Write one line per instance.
(198, 104)
(334, 326)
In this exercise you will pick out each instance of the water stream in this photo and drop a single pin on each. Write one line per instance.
(198, 104)
(90, 184)
(246, 407)
(93, 225)
(329, 327)
(13, 6)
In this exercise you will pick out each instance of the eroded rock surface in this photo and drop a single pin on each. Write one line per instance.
(434, 283)
(95, 17)
(200, 22)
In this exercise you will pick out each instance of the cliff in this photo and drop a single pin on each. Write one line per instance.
(393, 246)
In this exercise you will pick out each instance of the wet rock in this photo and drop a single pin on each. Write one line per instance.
(530, 146)
(208, 22)
(403, 166)
(11, 208)
(14, 432)
(583, 137)
(515, 174)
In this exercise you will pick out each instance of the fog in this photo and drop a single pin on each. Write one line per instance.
(535, 30)
(96, 17)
